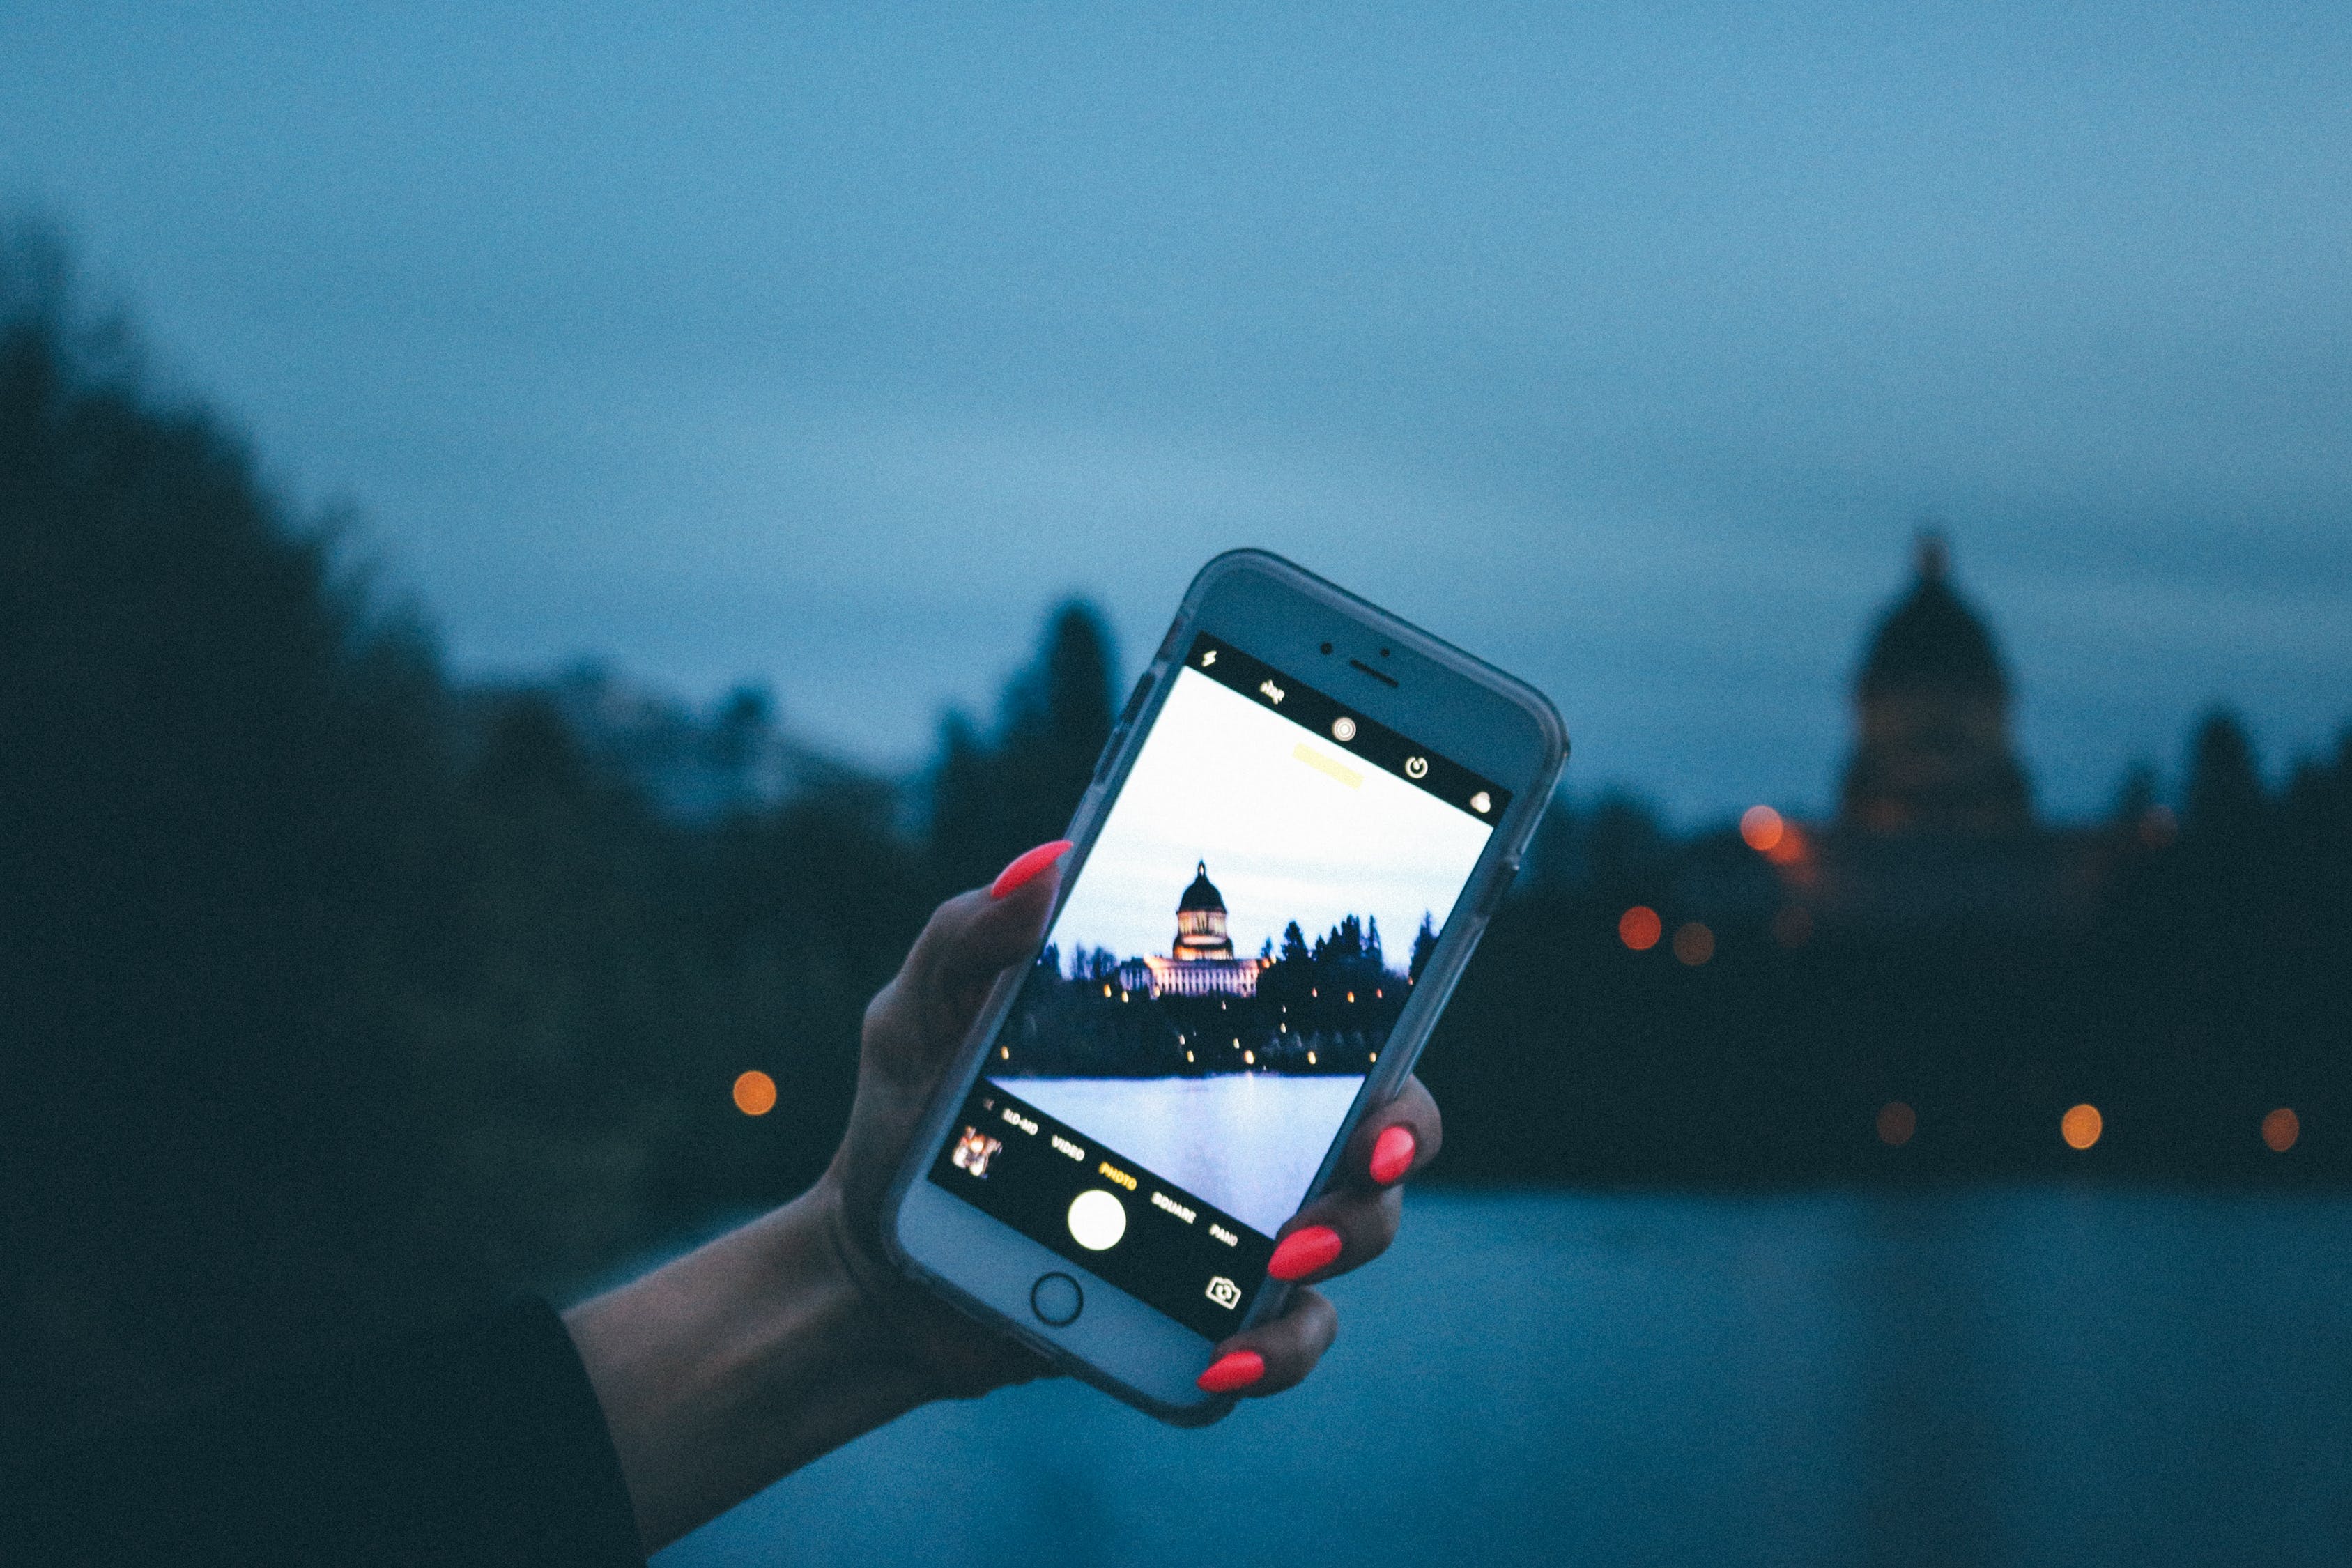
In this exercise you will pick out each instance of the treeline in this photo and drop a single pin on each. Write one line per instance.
(332, 994)
(1323, 1009)
(2201, 981)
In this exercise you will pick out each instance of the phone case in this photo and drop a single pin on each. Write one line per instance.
(1497, 865)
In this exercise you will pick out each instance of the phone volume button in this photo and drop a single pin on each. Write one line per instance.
(1109, 751)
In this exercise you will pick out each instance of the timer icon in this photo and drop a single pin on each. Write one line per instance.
(1416, 767)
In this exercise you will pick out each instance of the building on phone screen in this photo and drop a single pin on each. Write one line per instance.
(1200, 960)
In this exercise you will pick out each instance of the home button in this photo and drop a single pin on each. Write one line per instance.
(1056, 1300)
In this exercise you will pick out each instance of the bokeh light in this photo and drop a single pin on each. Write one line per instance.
(1760, 826)
(2081, 1126)
(755, 1093)
(1789, 850)
(1896, 1122)
(1639, 927)
(1693, 944)
(2281, 1128)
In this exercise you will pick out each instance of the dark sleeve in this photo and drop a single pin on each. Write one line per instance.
(479, 1442)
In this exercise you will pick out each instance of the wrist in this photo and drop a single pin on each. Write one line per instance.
(950, 1356)
(738, 1362)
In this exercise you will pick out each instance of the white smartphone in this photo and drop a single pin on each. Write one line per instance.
(1293, 839)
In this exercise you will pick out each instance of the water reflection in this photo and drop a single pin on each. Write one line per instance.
(2017, 1377)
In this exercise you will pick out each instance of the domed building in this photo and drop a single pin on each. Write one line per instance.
(1935, 829)
(1932, 753)
(1200, 960)
(1200, 921)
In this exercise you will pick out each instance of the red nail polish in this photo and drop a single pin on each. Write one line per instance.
(1027, 866)
(1234, 1369)
(1302, 1252)
(1393, 1154)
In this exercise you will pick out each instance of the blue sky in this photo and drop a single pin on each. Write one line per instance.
(1624, 345)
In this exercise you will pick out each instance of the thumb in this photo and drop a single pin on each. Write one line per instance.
(965, 945)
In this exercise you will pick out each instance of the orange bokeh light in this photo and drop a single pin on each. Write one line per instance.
(1760, 826)
(1639, 927)
(1693, 944)
(2281, 1128)
(1788, 846)
(2081, 1126)
(755, 1093)
(1896, 1122)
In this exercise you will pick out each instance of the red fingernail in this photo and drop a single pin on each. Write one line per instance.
(1027, 867)
(1392, 1154)
(1302, 1252)
(1234, 1369)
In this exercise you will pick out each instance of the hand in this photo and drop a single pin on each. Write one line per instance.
(1344, 1229)
(787, 1337)
(913, 1027)
(912, 1030)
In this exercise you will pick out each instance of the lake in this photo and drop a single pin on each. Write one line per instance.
(2014, 1377)
(1249, 1143)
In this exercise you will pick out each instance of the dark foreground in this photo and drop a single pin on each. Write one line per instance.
(2025, 1376)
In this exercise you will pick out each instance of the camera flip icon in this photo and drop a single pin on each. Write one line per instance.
(1224, 1292)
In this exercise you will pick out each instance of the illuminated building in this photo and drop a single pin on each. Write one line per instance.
(1200, 961)
(1935, 829)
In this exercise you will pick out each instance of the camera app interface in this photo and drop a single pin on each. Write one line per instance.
(1224, 972)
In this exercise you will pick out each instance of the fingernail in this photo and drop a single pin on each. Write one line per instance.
(1392, 1154)
(1027, 867)
(1234, 1369)
(1302, 1252)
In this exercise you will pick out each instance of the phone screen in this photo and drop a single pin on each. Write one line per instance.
(1220, 980)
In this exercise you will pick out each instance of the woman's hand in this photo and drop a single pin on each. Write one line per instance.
(780, 1340)
(1345, 1228)
(912, 1030)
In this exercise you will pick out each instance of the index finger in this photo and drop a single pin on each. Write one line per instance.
(1379, 1155)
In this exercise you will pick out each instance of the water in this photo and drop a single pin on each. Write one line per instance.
(2038, 1376)
(1248, 1143)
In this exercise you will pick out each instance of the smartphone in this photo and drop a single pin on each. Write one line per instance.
(1295, 832)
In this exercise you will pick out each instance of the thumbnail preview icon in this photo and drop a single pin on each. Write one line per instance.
(973, 1150)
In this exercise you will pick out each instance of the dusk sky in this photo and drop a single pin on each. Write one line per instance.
(1625, 346)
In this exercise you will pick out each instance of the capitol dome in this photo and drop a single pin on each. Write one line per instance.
(1933, 753)
(1202, 894)
(1932, 637)
(1200, 921)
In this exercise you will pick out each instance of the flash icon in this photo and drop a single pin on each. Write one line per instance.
(1208, 659)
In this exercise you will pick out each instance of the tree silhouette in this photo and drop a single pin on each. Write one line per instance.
(2225, 783)
(991, 799)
